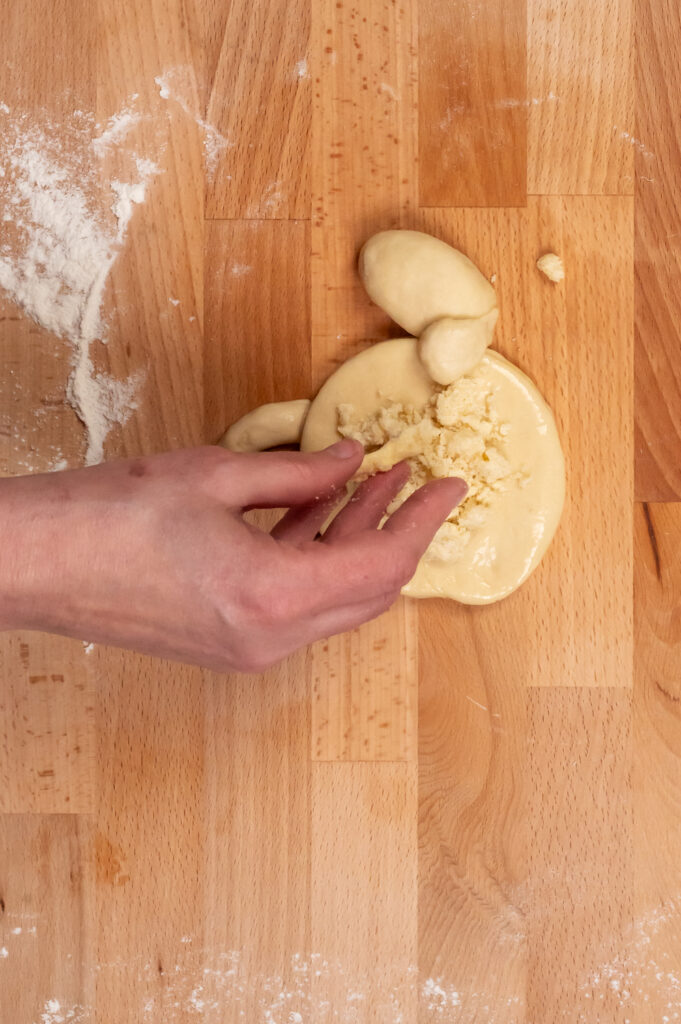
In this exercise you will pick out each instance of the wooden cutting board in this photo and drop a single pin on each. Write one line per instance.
(453, 814)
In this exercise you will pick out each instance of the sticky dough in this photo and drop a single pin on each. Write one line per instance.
(267, 426)
(491, 427)
(417, 279)
(448, 348)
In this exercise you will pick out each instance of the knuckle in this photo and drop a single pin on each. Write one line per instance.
(253, 662)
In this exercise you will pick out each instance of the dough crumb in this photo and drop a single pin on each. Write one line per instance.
(551, 266)
(458, 433)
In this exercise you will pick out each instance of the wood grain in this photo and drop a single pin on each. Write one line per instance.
(580, 98)
(473, 103)
(363, 153)
(651, 970)
(260, 104)
(257, 318)
(364, 691)
(657, 256)
(47, 712)
(577, 898)
(193, 856)
(155, 322)
(573, 617)
(363, 891)
(46, 918)
(47, 71)
(471, 756)
(149, 814)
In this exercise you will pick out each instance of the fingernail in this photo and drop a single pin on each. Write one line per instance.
(345, 449)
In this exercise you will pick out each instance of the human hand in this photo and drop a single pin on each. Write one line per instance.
(154, 554)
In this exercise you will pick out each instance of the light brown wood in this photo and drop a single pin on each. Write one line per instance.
(364, 691)
(658, 256)
(46, 918)
(577, 895)
(260, 103)
(363, 891)
(47, 715)
(257, 848)
(473, 103)
(363, 153)
(573, 617)
(257, 318)
(472, 750)
(460, 815)
(150, 785)
(651, 970)
(580, 98)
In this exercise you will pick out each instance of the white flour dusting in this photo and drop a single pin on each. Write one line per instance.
(60, 245)
(4, 953)
(117, 127)
(54, 1013)
(179, 84)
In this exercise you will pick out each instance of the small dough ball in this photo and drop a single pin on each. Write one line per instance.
(267, 426)
(417, 279)
(450, 348)
(551, 266)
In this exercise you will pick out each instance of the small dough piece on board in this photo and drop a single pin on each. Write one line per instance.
(417, 278)
(448, 348)
(268, 425)
(492, 427)
(551, 266)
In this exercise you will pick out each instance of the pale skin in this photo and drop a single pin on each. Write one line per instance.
(153, 554)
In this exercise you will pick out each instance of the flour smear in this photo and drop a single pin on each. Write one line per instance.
(62, 231)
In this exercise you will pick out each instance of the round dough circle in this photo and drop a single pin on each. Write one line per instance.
(501, 553)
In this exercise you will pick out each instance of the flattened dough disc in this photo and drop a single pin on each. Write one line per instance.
(388, 372)
(501, 554)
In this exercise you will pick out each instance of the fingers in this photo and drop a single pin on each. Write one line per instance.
(365, 566)
(303, 522)
(418, 519)
(282, 479)
(341, 620)
(372, 563)
(362, 511)
(367, 505)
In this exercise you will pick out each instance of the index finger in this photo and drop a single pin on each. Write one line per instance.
(373, 563)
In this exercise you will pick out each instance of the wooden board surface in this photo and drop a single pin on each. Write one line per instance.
(451, 815)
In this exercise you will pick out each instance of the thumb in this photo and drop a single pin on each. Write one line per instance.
(282, 479)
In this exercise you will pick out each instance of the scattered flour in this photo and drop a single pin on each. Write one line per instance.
(59, 246)
(179, 84)
(54, 1013)
(240, 269)
(301, 69)
(4, 953)
(117, 127)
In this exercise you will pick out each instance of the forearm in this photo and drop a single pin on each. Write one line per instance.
(36, 537)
